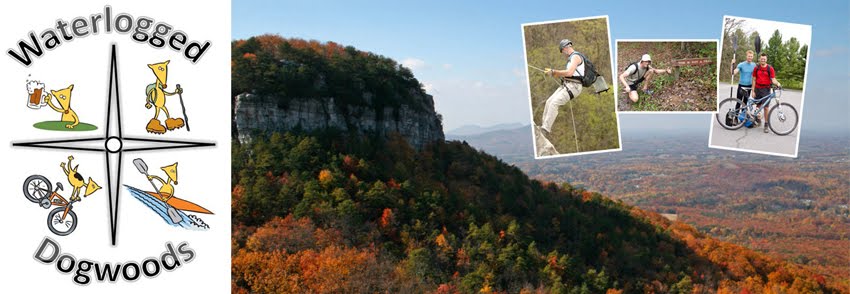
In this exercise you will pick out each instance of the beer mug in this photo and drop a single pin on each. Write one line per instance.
(35, 99)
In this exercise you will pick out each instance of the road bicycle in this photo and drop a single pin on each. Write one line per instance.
(61, 220)
(782, 119)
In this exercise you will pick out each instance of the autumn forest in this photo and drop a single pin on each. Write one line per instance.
(333, 212)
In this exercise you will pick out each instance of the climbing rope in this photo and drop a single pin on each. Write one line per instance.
(560, 84)
(575, 134)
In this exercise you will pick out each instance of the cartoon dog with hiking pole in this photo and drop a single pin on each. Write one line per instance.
(155, 96)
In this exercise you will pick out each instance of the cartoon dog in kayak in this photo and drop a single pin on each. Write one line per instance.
(165, 193)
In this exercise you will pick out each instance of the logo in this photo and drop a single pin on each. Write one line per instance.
(112, 189)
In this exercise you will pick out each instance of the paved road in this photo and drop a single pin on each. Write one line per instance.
(755, 139)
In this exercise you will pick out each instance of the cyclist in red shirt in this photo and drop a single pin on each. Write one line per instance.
(764, 76)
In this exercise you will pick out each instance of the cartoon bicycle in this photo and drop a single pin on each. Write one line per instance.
(61, 220)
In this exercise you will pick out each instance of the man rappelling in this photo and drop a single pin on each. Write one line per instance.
(570, 85)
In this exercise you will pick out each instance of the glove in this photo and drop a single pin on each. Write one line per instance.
(548, 71)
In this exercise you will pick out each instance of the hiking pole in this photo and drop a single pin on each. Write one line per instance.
(143, 168)
(185, 117)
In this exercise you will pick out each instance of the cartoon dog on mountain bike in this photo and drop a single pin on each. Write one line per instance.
(61, 220)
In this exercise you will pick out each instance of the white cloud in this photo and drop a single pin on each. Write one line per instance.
(447, 66)
(429, 88)
(478, 84)
(413, 63)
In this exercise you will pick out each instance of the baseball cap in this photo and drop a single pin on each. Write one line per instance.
(564, 43)
(645, 57)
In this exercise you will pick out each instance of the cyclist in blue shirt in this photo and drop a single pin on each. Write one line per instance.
(745, 82)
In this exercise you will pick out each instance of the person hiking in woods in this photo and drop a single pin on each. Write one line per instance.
(745, 81)
(570, 85)
(637, 72)
(764, 77)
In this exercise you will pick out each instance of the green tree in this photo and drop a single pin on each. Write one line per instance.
(776, 53)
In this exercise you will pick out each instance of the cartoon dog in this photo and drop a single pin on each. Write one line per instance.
(167, 190)
(64, 98)
(156, 97)
(76, 180)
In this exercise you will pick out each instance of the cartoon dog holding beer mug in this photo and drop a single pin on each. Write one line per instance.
(64, 98)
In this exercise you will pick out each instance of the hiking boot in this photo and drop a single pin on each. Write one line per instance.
(155, 127)
(173, 123)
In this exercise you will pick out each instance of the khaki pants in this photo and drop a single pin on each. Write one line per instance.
(558, 98)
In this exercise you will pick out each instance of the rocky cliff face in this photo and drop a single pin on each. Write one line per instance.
(253, 113)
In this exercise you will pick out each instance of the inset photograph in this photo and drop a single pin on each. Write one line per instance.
(569, 76)
(667, 75)
(763, 66)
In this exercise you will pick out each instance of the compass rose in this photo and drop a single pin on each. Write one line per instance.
(113, 144)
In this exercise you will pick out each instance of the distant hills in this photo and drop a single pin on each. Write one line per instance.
(789, 208)
(471, 130)
(510, 144)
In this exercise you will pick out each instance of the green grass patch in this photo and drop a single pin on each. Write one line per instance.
(60, 126)
(662, 81)
(645, 103)
(791, 84)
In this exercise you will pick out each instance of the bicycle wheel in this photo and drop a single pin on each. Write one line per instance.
(37, 187)
(59, 226)
(783, 119)
(731, 107)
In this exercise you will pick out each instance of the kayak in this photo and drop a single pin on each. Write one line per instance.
(180, 204)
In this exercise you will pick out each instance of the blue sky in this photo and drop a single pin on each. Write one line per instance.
(469, 54)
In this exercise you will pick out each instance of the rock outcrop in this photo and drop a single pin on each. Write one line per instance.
(253, 113)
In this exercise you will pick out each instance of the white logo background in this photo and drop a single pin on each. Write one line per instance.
(204, 173)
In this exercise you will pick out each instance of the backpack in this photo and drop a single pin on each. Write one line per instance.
(149, 92)
(637, 68)
(589, 77)
(766, 69)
